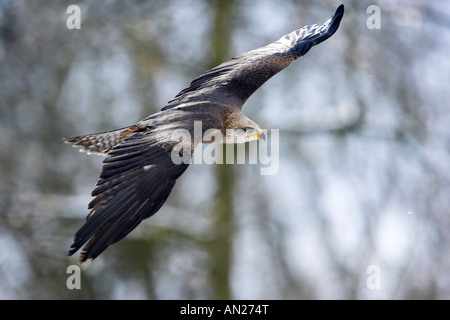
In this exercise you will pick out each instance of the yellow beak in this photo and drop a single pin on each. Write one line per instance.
(259, 135)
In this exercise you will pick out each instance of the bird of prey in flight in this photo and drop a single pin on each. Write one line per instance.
(138, 172)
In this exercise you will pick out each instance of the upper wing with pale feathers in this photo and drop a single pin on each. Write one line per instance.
(234, 81)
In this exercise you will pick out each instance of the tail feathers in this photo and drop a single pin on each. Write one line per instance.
(102, 143)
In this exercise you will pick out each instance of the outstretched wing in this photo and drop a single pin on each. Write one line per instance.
(136, 179)
(234, 81)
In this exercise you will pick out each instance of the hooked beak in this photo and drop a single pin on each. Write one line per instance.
(260, 135)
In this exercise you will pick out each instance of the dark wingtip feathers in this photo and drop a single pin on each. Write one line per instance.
(336, 20)
(311, 35)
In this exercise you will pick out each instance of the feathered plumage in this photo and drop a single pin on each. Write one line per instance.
(138, 172)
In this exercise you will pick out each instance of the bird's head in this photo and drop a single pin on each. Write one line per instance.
(243, 130)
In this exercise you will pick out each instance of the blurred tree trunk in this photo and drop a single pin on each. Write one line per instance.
(221, 244)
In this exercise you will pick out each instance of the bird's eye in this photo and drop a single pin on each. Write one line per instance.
(248, 129)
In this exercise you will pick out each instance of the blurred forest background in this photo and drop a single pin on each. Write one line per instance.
(364, 173)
